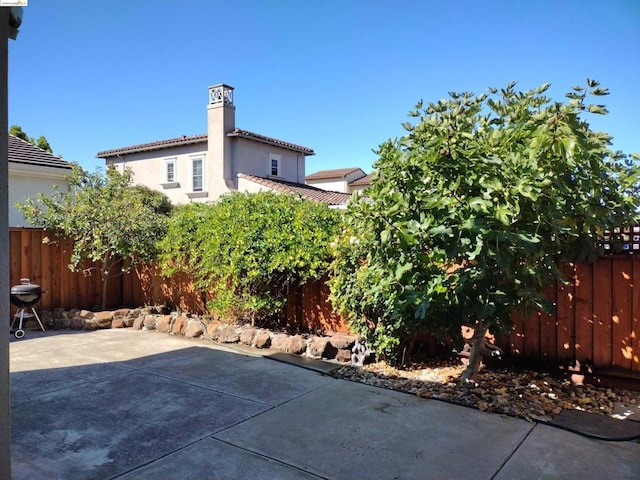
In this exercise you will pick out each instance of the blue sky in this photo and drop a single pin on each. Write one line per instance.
(338, 76)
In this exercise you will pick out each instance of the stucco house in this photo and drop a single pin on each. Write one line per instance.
(203, 167)
(32, 171)
(346, 180)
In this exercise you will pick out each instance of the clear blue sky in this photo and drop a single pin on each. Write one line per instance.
(338, 76)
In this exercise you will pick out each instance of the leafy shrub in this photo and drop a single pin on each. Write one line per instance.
(248, 250)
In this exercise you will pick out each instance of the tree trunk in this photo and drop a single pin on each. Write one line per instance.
(105, 283)
(107, 263)
(475, 356)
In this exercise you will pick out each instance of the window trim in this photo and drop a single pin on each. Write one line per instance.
(170, 183)
(170, 162)
(274, 157)
(194, 159)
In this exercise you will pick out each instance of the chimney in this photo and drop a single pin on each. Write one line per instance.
(221, 119)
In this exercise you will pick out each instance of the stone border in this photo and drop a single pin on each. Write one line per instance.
(329, 347)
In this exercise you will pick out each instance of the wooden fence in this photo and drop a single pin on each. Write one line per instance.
(47, 266)
(597, 319)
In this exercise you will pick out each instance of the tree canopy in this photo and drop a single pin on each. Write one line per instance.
(248, 250)
(112, 223)
(471, 212)
(40, 142)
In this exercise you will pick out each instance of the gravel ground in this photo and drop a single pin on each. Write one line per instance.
(526, 394)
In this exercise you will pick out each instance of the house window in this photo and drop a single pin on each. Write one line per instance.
(197, 174)
(274, 165)
(170, 168)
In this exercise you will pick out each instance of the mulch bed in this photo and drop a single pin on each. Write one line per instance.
(527, 394)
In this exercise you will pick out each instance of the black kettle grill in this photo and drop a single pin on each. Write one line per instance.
(24, 296)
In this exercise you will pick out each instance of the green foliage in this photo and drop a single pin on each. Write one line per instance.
(247, 250)
(471, 211)
(111, 222)
(41, 142)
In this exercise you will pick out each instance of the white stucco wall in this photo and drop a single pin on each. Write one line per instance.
(27, 181)
(330, 184)
(149, 169)
(250, 157)
(253, 158)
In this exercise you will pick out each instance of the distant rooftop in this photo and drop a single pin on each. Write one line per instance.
(366, 180)
(335, 173)
(24, 152)
(305, 191)
(194, 139)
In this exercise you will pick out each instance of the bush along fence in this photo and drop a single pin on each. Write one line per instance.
(596, 321)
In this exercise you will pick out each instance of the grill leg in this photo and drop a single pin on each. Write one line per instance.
(20, 315)
(37, 318)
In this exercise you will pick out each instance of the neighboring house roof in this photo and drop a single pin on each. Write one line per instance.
(193, 139)
(302, 190)
(366, 180)
(23, 152)
(159, 145)
(335, 173)
(270, 141)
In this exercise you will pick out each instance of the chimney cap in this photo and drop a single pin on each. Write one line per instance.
(221, 94)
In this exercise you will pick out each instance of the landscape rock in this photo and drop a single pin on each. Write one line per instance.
(280, 341)
(150, 322)
(343, 341)
(247, 335)
(103, 319)
(262, 340)
(321, 347)
(138, 323)
(76, 323)
(121, 313)
(118, 323)
(343, 355)
(295, 344)
(89, 324)
(212, 331)
(194, 329)
(62, 323)
(228, 334)
(180, 325)
(163, 324)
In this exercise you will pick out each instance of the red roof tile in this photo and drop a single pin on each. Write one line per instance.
(256, 137)
(300, 189)
(335, 173)
(159, 145)
(189, 140)
(366, 180)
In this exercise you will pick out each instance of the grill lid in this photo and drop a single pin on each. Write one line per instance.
(26, 288)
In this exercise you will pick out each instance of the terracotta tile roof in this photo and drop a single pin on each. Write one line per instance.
(300, 189)
(256, 137)
(159, 145)
(193, 139)
(366, 180)
(336, 173)
(23, 152)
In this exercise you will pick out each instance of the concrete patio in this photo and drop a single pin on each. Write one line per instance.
(125, 404)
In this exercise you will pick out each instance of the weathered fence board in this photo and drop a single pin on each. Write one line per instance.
(583, 311)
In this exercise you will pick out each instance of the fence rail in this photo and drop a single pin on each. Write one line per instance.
(597, 319)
